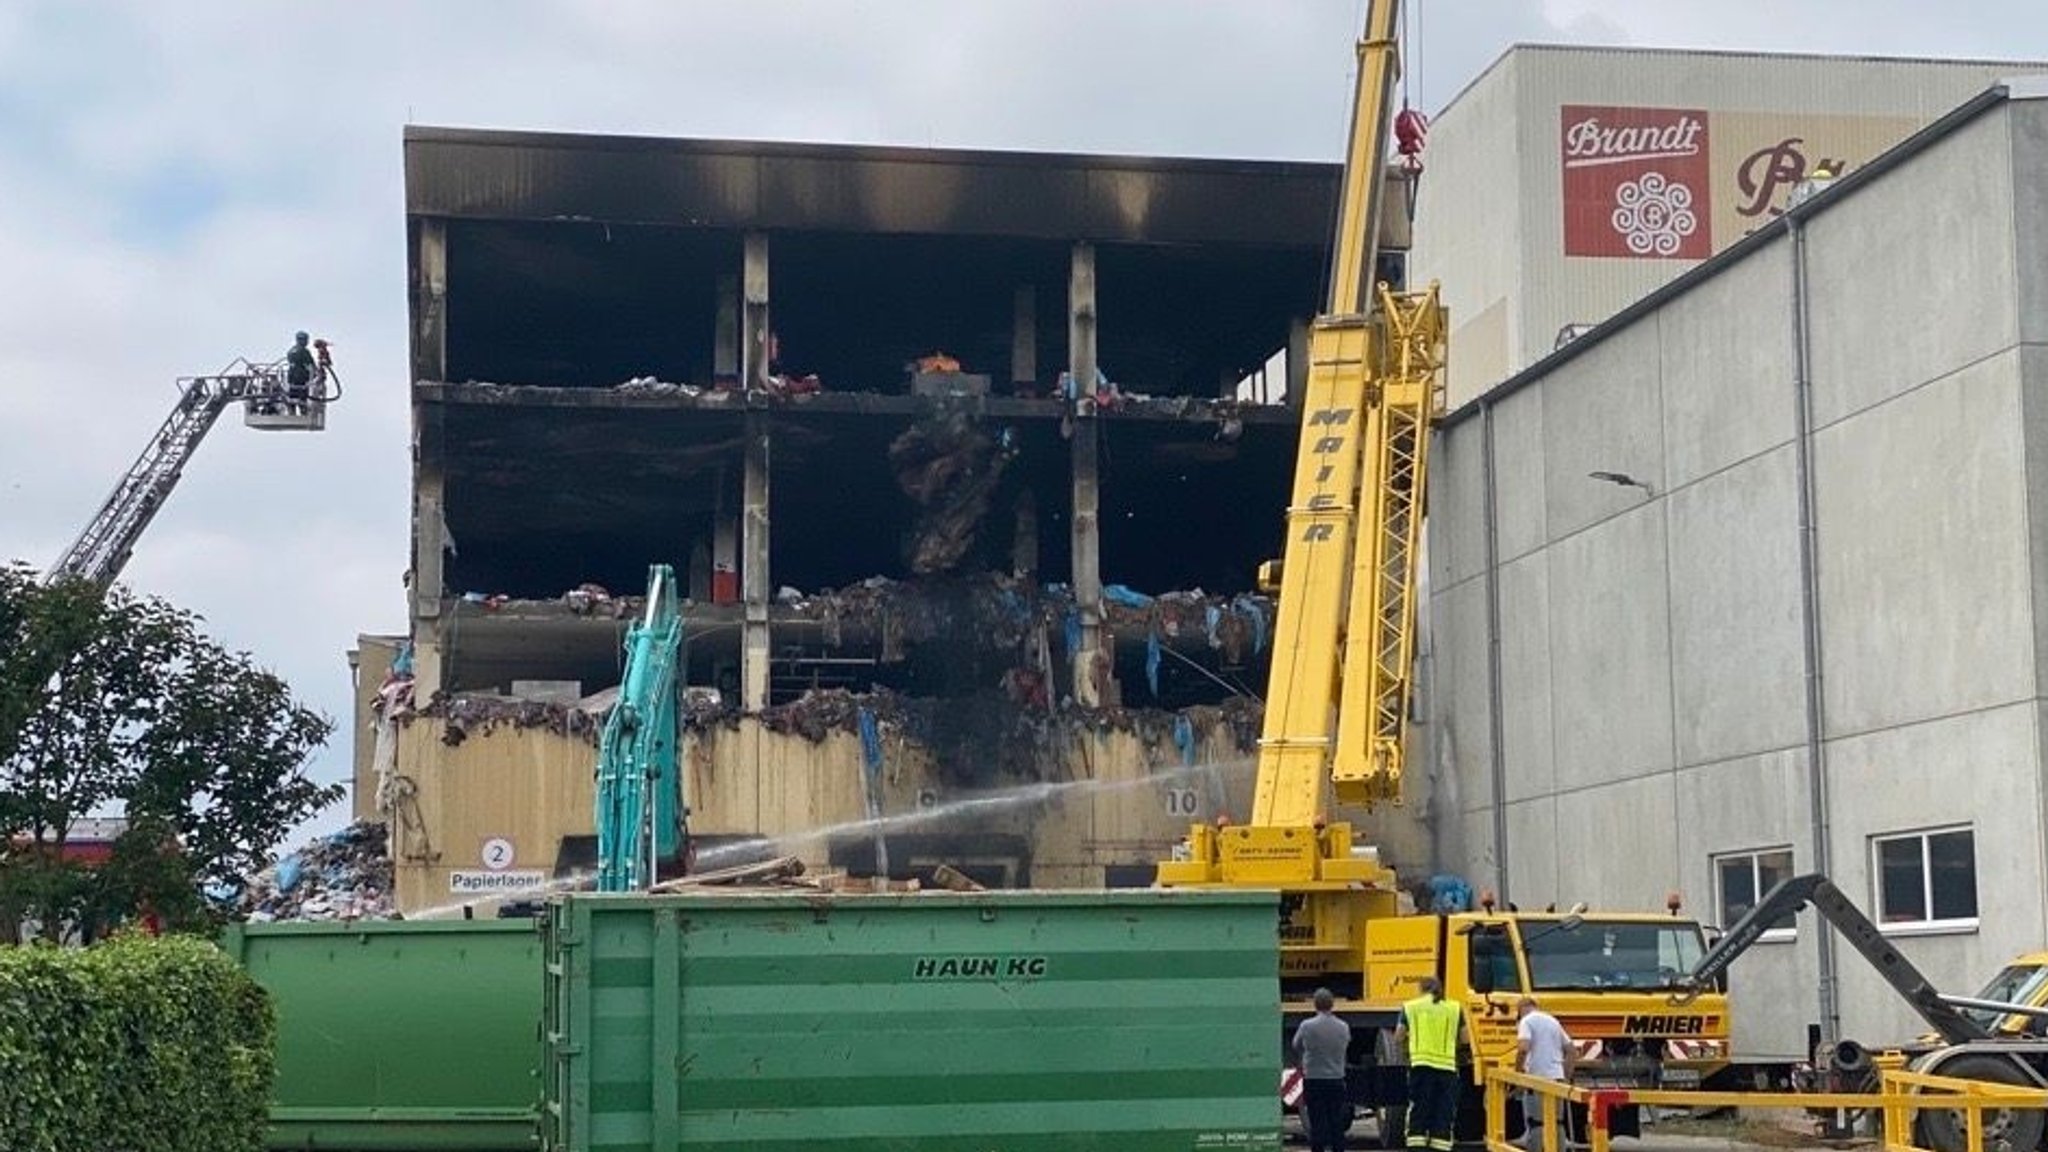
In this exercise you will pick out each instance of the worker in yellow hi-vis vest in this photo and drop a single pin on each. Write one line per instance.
(1431, 1028)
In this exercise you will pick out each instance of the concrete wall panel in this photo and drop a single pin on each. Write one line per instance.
(1631, 863)
(2029, 120)
(1874, 335)
(1925, 587)
(1610, 644)
(1751, 804)
(1518, 455)
(1602, 416)
(1981, 770)
(1525, 664)
(2034, 434)
(1536, 870)
(1461, 686)
(1728, 367)
(1736, 634)
(1456, 513)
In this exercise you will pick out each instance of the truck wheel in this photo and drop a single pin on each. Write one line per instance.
(2005, 1129)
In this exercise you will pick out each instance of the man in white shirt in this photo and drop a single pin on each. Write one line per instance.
(1542, 1048)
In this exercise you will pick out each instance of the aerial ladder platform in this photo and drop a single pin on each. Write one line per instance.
(271, 402)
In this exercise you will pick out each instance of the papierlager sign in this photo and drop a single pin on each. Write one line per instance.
(474, 883)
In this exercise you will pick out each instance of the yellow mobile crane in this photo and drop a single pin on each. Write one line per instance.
(1336, 722)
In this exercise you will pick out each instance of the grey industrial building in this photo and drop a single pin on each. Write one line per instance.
(1753, 578)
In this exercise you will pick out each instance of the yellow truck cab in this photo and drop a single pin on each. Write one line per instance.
(2024, 980)
(1612, 980)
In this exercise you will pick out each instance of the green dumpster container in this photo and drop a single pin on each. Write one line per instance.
(401, 1036)
(1139, 1021)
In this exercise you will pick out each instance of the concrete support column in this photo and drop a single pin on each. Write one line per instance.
(1297, 362)
(1024, 340)
(725, 332)
(755, 333)
(1091, 665)
(430, 303)
(430, 544)
(755, 650)
(429, 527)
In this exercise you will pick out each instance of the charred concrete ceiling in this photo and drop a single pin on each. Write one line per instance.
(585, 261)
(548, 488)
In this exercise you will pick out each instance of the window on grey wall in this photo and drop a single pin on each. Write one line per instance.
(1743, 878)
(1926, 878)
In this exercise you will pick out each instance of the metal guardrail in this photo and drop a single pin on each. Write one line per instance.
(1900, 1097)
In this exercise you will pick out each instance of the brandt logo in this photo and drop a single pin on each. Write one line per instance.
(1589, 142)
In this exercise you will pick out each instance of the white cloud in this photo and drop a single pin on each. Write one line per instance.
(291, 116)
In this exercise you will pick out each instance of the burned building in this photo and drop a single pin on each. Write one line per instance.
(966, 461)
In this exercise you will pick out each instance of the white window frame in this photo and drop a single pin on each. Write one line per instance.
(1928, 927)
(1714, 862)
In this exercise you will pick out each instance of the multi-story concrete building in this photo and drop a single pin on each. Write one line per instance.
(739, 359)
(1753, 579)
(1564, 183)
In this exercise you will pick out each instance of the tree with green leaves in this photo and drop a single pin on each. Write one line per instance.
(118, 702)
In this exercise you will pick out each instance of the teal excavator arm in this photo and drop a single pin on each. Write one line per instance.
(639, 790)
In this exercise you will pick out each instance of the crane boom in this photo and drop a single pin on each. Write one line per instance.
(639, 809)
(1337, 699)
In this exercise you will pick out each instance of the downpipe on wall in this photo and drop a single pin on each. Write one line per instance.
(1809, 610)
(1495, 724)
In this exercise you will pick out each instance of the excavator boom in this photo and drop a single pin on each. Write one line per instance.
(639, 807)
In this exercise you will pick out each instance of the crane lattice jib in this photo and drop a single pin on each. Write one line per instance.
(637, 769)
(1344, 640)
(103, 548)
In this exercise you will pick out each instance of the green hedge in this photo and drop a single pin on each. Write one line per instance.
(134, 1045)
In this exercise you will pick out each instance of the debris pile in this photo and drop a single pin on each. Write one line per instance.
(1001, 612)
(949, 467)
(345, 876)
(465, 713)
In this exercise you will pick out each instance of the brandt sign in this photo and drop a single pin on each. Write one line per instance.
(1636, 182)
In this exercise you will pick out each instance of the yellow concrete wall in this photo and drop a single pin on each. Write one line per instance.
(374, 656)
(529, 786)
(532, 787)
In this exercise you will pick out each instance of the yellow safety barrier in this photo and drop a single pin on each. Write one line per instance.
(1900, 1097)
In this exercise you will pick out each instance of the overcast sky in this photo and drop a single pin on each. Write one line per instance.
(182, 183)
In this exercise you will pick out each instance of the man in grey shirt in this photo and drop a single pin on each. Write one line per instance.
(1321, 1044)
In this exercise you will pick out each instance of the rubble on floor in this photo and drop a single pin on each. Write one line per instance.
(345, 876)
(465, 713)
(1001, 612)
(819, 713)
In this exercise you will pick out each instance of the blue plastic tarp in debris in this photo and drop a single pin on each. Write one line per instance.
(1118, 594)
(288, 870)
(1184, 738)
(1152, 662)
(1449, 893)
(1073, 631)
(1252, 608)
(870, 745)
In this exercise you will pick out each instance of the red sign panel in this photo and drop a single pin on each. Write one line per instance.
(1636, 183)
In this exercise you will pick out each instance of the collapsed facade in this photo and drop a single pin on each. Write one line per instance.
(834, 388)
